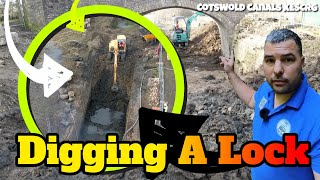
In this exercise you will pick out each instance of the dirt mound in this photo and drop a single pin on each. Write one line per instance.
(205, 41)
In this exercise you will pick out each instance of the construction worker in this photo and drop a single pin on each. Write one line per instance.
(285, 103)
(121, 44)
(177, 27)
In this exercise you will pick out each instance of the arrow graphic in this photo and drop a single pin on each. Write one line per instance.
(77, 21)
(52, 75)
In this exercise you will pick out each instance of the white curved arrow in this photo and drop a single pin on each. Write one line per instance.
(52, 75)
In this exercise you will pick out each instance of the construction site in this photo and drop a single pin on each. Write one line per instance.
(119, 66)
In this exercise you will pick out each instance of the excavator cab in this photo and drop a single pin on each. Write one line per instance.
(122, 46)
(177, 27)
(119, 44)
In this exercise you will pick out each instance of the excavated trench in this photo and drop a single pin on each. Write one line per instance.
(107, 110)
(85, 108)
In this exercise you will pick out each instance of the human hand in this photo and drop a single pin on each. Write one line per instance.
(227, 63)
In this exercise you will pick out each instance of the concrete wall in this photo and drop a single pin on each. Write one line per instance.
(54, 8)
(37, 13)
(33, 14)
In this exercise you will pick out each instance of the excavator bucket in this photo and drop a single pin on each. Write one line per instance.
(115, 88)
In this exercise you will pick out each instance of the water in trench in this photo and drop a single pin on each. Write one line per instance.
(106, 112)
(53, 51)
(124, 24)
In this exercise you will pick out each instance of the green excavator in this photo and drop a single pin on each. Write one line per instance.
(180, 36)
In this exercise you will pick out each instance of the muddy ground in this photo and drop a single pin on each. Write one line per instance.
(209, 93)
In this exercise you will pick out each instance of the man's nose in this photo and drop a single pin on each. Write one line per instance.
(278, 69)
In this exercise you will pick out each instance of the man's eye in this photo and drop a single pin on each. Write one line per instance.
(288, 60)
(269, 61)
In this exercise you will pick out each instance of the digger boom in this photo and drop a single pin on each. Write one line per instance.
(117, 51)
(115, 66)
(114, 87)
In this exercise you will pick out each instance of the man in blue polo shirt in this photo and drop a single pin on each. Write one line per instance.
(285, 103)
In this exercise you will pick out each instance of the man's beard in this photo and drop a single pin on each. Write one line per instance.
(288, 86)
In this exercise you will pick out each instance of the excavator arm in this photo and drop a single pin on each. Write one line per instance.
(189, 21)
(115, 87)
(117, 47)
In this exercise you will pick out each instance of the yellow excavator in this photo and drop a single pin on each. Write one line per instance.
(117, 48)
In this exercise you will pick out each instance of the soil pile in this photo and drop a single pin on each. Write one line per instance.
(205, 41)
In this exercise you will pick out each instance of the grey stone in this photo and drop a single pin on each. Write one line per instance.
(64, 96)
(191, 107)
(36, 172)
(199, 175)
(201, 112)
(3, 42)
(116, 176)
(248, 111)
(4, 158)
(71, 94)
(2, 33)
(63, 90)
(87, 23)
(78, 58)
(65, 122)
(201, 107)
(2, 115)
(224, 111)
(217, 176)
(211, 146)
(15, 37)
(134, 174)
(5, 55)
(233, 175)
(244, 175)
(12, 147)
(79, 63)
(92, 130)
(209, 77)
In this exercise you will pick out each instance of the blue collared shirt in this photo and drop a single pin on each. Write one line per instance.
(300, 115)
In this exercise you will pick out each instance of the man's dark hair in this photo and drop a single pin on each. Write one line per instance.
(280, 35)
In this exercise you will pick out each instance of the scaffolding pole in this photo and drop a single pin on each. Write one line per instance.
(161, 79)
